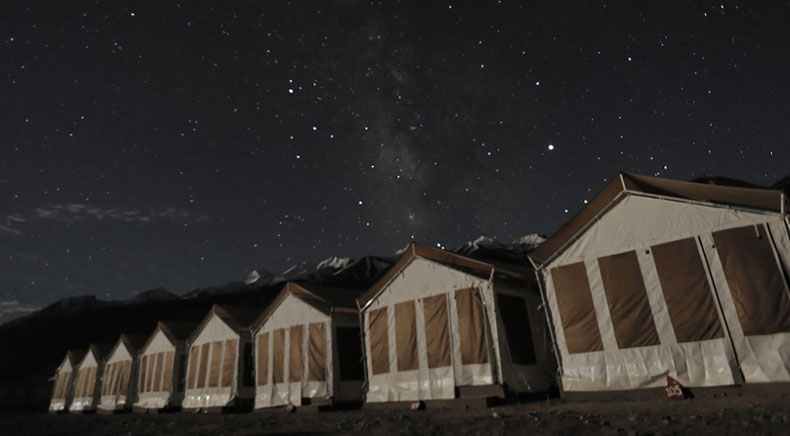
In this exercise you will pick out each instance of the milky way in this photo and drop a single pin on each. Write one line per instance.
(155, 143)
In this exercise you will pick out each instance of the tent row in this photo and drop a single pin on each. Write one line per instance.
(435, 323)
(653, 278)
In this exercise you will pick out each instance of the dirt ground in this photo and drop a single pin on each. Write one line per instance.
(720, 416)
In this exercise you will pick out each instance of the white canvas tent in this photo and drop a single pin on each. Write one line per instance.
(308, 348)
(439, 323)
(163, 360)
(120, 375)
(220, 372)
(87, 388)
(65, 375)
(658, 277)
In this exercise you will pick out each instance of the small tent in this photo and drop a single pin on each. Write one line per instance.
(63, 390)
(118, 391)
(163, 360)
(87, 388)
(658, 277)
(439, 325)
(220, 371)
(308, 348)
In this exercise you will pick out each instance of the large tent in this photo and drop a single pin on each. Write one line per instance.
(657, 278)
(63, 390)
(220, 371)
(87, 387)
(120, 375)
(308, 347)
(163, 361)
(440, 325)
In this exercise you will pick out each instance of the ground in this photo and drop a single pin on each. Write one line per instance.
(719, 416)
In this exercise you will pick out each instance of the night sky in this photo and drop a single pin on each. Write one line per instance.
(153, 143)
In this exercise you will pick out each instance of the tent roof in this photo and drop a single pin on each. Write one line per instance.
(100, 350)
(75, 356)
(134, 342)
(175, 332)
(237, 318)
(325, 299)
(453, 260)
(633, 184)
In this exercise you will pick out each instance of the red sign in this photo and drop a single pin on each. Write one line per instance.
(673, 389)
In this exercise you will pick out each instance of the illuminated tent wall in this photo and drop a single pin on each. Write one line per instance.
(308, 348)
(63, 389)
(220, 371)
(163, 360)
(87, 387)
(438, 321)
(120, 375)
(658, 277)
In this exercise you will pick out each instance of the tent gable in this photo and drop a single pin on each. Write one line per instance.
(425, 277)
(293, 310)
(638, 222)
(89, 360)
(158, 342)
(119, 353)
(215, 328)
(65, 365)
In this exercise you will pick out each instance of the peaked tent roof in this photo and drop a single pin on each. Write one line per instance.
(75, 356)
(100, 350)
(457, 261)
(236, 317)
(174, 331)
(633, 184)
(325, 299)
(133, 342)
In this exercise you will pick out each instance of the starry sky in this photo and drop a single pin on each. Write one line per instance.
(183, 144)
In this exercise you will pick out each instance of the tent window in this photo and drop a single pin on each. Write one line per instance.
(263, 358)
(513, 311)
(574, 300)
(216, 362)
(167, 378)
(115, 375)
(758, 288)
(204, 362)
(278, 356)
(92, 381)
(437, 331)
(406, 336)
(58, 386)
(193, 364)
(350, 353)
(160, 357)
(109, 379)
(150, 376)
(627, 299)
(295, 353)
(471, 326)
(379, 341)
(83, 382)
(316, 352)
(687, 292)
(116, 380)
(229, 363)
(123, 379)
